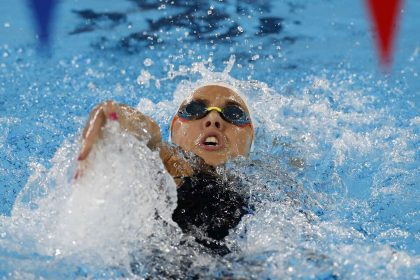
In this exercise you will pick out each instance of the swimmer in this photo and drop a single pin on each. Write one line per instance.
(212, 126)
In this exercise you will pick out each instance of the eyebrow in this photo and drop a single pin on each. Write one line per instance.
(195, 99)
(231, 102)
(227, 103)
(202, 100)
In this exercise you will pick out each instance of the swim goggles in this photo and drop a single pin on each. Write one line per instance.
(197, 109)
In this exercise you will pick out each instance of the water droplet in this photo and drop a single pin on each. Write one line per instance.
(144, 78)
(147, 62)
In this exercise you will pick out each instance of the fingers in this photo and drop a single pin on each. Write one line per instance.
(97, 120)
(80, 170)
(111, 110)
(92, 132)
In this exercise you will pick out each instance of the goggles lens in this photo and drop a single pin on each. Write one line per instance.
(197, 109)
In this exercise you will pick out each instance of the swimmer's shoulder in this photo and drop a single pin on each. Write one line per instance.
(181, 164)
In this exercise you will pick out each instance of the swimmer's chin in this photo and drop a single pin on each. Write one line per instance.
(213, 158)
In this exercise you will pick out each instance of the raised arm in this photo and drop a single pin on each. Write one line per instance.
(143, 128)
(131, 120)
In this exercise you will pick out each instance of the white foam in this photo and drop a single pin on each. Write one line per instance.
(108, 211)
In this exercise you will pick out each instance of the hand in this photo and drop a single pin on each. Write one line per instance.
(130, 120)
(97, 119)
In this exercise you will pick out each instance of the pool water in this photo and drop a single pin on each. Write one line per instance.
(333, 178)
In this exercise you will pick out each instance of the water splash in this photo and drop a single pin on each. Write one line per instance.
(316, 133)
(313, 191)
(104, 215)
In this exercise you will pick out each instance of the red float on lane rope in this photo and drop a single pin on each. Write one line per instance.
(384, 15)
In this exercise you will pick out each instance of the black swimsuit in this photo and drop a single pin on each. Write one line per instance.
(208, 208)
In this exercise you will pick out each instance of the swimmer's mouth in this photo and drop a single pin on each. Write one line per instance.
(212, 141)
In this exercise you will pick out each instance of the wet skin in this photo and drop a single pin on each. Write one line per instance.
(225, 140)
(211, 138)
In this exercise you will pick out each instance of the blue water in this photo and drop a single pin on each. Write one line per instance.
(334, 173)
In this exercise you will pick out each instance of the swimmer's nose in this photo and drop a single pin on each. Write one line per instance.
(213, 119)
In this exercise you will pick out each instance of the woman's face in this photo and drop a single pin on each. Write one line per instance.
(211, 137)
